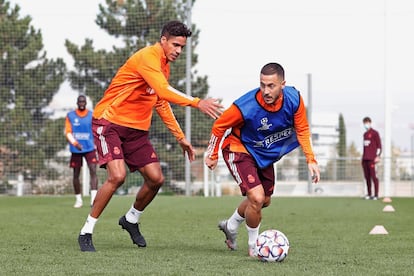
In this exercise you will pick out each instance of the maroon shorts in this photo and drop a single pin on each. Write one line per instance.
(247, 174)
(118, 142)
(76, 159)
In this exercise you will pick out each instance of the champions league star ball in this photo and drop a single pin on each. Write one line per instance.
(272, 246)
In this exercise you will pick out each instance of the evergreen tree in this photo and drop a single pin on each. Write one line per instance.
(341, 148)
(138, 24)
(353, 164)
(28, 82)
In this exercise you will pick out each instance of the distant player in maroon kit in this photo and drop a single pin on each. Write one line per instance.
(371, 156)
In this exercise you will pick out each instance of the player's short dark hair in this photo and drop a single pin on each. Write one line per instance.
(366, 119)
(81, 97)
(175, 28)
(273, 68)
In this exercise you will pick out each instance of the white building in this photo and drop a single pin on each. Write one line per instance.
(325, 136)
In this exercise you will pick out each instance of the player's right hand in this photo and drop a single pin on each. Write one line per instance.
(314, 171)
(78, 146)
(211, 107)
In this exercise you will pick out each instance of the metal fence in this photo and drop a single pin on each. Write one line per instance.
(339, 177)
(37, 92)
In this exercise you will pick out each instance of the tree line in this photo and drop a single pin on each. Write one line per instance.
(29, 80)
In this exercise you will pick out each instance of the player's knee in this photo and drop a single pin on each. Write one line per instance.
(256, 200)
(156, 182)
(267, 202)
(117, 179)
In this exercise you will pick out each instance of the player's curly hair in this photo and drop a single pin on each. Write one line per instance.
(273, 68)
(175, 28)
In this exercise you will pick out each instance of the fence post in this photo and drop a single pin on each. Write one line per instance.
(20, 185)
(85, 179)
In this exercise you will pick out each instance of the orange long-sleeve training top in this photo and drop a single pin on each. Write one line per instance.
(140, 85)
(233, 119)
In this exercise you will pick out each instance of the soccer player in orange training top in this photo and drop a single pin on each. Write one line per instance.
(370, 157)
(78, 131)
(121, 121)
(266, 123)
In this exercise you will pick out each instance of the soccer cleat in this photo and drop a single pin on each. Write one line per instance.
(78, 204)
(85, 243)
(367, 197)
(230, 237)
(374, 198)
(133, 230)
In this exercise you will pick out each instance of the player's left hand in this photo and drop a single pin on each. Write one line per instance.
(210, 163)
(78, 146)
(314, 171)
(187, 148)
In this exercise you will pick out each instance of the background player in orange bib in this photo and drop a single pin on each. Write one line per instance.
(78, 131)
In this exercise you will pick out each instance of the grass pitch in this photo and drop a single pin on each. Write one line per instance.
(328, 236)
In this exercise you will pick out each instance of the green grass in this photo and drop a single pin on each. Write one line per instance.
(328, 236)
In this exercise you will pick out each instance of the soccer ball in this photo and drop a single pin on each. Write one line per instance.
(272, 246)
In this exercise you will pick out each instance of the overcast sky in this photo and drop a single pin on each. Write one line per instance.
(356, 51)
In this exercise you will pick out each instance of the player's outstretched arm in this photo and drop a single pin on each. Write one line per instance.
(211, 107)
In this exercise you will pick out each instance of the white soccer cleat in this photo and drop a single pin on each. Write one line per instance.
(230, 237)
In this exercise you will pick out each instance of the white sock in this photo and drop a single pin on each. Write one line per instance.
(234, 221)
(133, 215)
(253, 233)
(78, 197)
(89, 225)
(93, 195)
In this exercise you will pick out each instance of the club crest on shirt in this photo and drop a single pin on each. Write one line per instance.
(265, 125)
(117, 151)
(76, 122)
